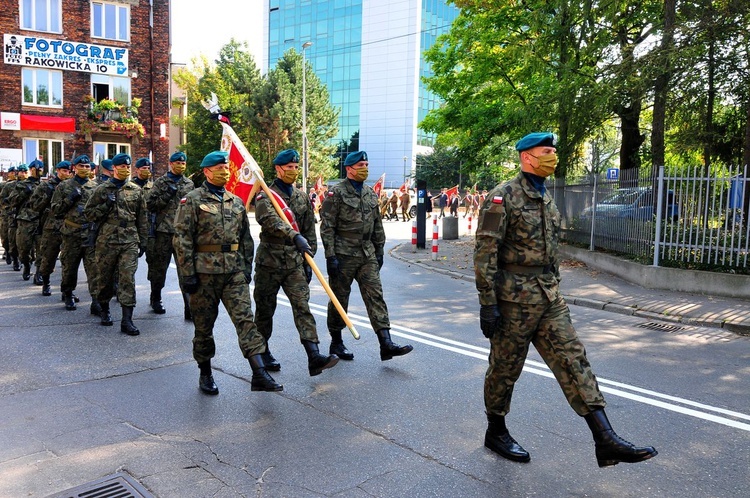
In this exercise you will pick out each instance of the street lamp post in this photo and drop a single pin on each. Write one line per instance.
(405, 175)
(304, 116)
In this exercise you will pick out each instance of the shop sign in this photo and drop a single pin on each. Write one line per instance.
(10, 121)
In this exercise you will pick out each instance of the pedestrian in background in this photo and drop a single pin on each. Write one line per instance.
(454, 203)
(428, 204)
(405, 202)
(517, 276)
(393, 202)
(443, 202)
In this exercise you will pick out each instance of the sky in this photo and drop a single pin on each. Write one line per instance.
(204, 27)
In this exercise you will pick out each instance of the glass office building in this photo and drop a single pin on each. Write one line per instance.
(369, 55)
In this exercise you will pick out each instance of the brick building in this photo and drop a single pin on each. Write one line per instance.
(84, 76)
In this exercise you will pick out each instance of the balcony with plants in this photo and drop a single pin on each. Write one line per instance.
(112, 116)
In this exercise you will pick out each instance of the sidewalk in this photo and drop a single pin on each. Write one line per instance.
(585, 286)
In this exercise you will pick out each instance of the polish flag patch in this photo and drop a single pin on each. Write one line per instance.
(183, 200)
(498, 199)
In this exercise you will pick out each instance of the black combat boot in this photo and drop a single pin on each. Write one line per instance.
(70, 303)
(498, 439)
(611, 449)
(105, 315)
(46, 290)
(38, 280)
(338, 348)
(388, 349)
(26, 271)
(186, 302)
(16, 264)
(95, 308)
(317, 362)
(271, 363)
(156, 303)
(75, 298)
(261, 380)
(206, 380)
(126, 325)
(8, 259)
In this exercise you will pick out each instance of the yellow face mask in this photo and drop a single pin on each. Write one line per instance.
(122, 173)
(218, 177)
(547, 164)
(144, 174)
(178, 168)
(360, 174)
(288, 176)
(82, 172)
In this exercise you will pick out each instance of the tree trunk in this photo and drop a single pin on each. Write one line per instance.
(661, 88)
(632, 139)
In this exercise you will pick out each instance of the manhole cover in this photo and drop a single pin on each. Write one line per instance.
(118, 485)
(666, 327)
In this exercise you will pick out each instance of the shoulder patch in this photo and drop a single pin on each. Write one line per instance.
(330, 193)
(498, 199)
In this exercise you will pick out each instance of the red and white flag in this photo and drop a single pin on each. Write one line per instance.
(379, 185)
(242, 166)
(452, 191)
(319, 184)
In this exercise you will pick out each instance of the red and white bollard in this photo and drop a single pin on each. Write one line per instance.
(414, 236)
(469, 224)
(434, 238)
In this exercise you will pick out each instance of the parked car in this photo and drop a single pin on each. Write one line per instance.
(635, 203)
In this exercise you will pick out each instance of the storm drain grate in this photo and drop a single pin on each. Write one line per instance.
(118, 485)
(666, 327)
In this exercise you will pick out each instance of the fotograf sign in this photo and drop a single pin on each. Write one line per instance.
(65, 55)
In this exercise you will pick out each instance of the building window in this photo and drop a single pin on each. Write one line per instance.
(41, 15)
(110, 87)
(104, 150)
(110, 21)
(50, 152)
(42, 87)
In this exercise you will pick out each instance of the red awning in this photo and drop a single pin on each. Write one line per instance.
(47, 123)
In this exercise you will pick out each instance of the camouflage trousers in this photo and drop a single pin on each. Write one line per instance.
(268, 281)
(27, 240)
(12, 247)
(234, 293)
(4, 233)
(115, 261)
(71, 254)
(367, 274)
(549, 328)
(158, 256)
(49, 249)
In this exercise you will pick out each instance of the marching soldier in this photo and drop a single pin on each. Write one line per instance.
(105, 171)
(5, 189)
(214, 250)
(67, 205)
(120, 210)
(353, 237)
(51, 238)
(162, 203)
(517, 276)
(280, 263)
(27, 218)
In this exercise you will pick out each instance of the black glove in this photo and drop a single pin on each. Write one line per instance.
(141, 251)
(332, 265)
(490, 319)
(111, 198)
(379, 257)
(190, 284)
(75, 195)
(308, 273)
(302, 245)
(248, 277)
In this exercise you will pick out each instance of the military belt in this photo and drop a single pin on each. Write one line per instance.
(528, 269)
(73, 224)
(353, 236)
(217, 248)
(276, 240)
(121, 223)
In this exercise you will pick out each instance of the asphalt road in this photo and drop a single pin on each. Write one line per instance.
(79, 401)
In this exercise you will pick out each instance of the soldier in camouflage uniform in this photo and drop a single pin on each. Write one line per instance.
(105, 172)
(67, 205)
(162, 205)
(27, 218)
(5, 215)
(517, 276)
(120, 210)
(214, 252)
(51, 238)
(22, 173)
(353, 238)
(280, 263)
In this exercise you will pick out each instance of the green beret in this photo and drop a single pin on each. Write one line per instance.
(63, 165)
(36, 163)
(355, 157)
(214, 158)
(286, 157)
(82, 159)
(22, 167)
(177, 156)
(144, 161)
(107, 164)
(535, 140)
(121, 159)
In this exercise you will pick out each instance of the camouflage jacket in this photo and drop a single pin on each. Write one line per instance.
(351, 223)
(41, 200)
(276, 249)
(520, 227)
(121, 222)
(74, 223)
(164, 200)
(212, 235)
(5, 189)
(20, 196)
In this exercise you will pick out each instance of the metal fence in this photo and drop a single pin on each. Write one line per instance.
(698, 217)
